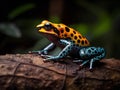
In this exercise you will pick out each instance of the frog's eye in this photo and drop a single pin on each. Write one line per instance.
(48, 26)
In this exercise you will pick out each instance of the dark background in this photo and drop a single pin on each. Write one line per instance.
(98, 20)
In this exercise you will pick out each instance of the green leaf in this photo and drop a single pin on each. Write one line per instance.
(10, 30)
(103, 22)
(21, 9)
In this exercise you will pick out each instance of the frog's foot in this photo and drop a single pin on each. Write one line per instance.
(45, 60)
(81, 65)
(42, 52)
(96, 58)
(76, 61)
(34, 52)
(46, 56)
(91, 63)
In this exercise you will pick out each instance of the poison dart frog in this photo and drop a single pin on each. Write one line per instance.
(70, 41)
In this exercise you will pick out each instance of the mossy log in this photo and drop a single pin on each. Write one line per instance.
(29, 72)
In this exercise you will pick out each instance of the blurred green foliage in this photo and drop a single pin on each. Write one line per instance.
(10, 30)
(92, 19)
(103, 22)
(20, 9)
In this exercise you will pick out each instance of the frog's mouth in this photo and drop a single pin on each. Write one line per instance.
(52, 36)
(44, 31)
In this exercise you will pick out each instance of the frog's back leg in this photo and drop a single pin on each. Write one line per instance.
(92, 54)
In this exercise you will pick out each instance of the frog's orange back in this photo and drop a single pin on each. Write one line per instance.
(65, 32)
(75, 36)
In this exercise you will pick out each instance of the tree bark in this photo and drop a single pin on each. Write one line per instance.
(29, 72)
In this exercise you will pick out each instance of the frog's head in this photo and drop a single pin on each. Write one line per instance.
(48, 28)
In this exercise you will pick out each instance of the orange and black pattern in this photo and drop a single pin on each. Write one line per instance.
(64, 32)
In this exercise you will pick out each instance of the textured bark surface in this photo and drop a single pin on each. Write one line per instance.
(29, 72)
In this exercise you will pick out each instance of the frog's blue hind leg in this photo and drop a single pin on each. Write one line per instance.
(91, 54)
(99, 57)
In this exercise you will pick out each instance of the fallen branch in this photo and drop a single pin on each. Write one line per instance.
(28, 71)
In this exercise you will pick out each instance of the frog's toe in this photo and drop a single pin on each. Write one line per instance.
(34, 52)
(46, 60)
(45, 56)
(75, 61)
(90, 69)
(80, 67)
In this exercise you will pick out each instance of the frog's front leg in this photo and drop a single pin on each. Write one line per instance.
(45, 50)
(64, 52)
(91, 54)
